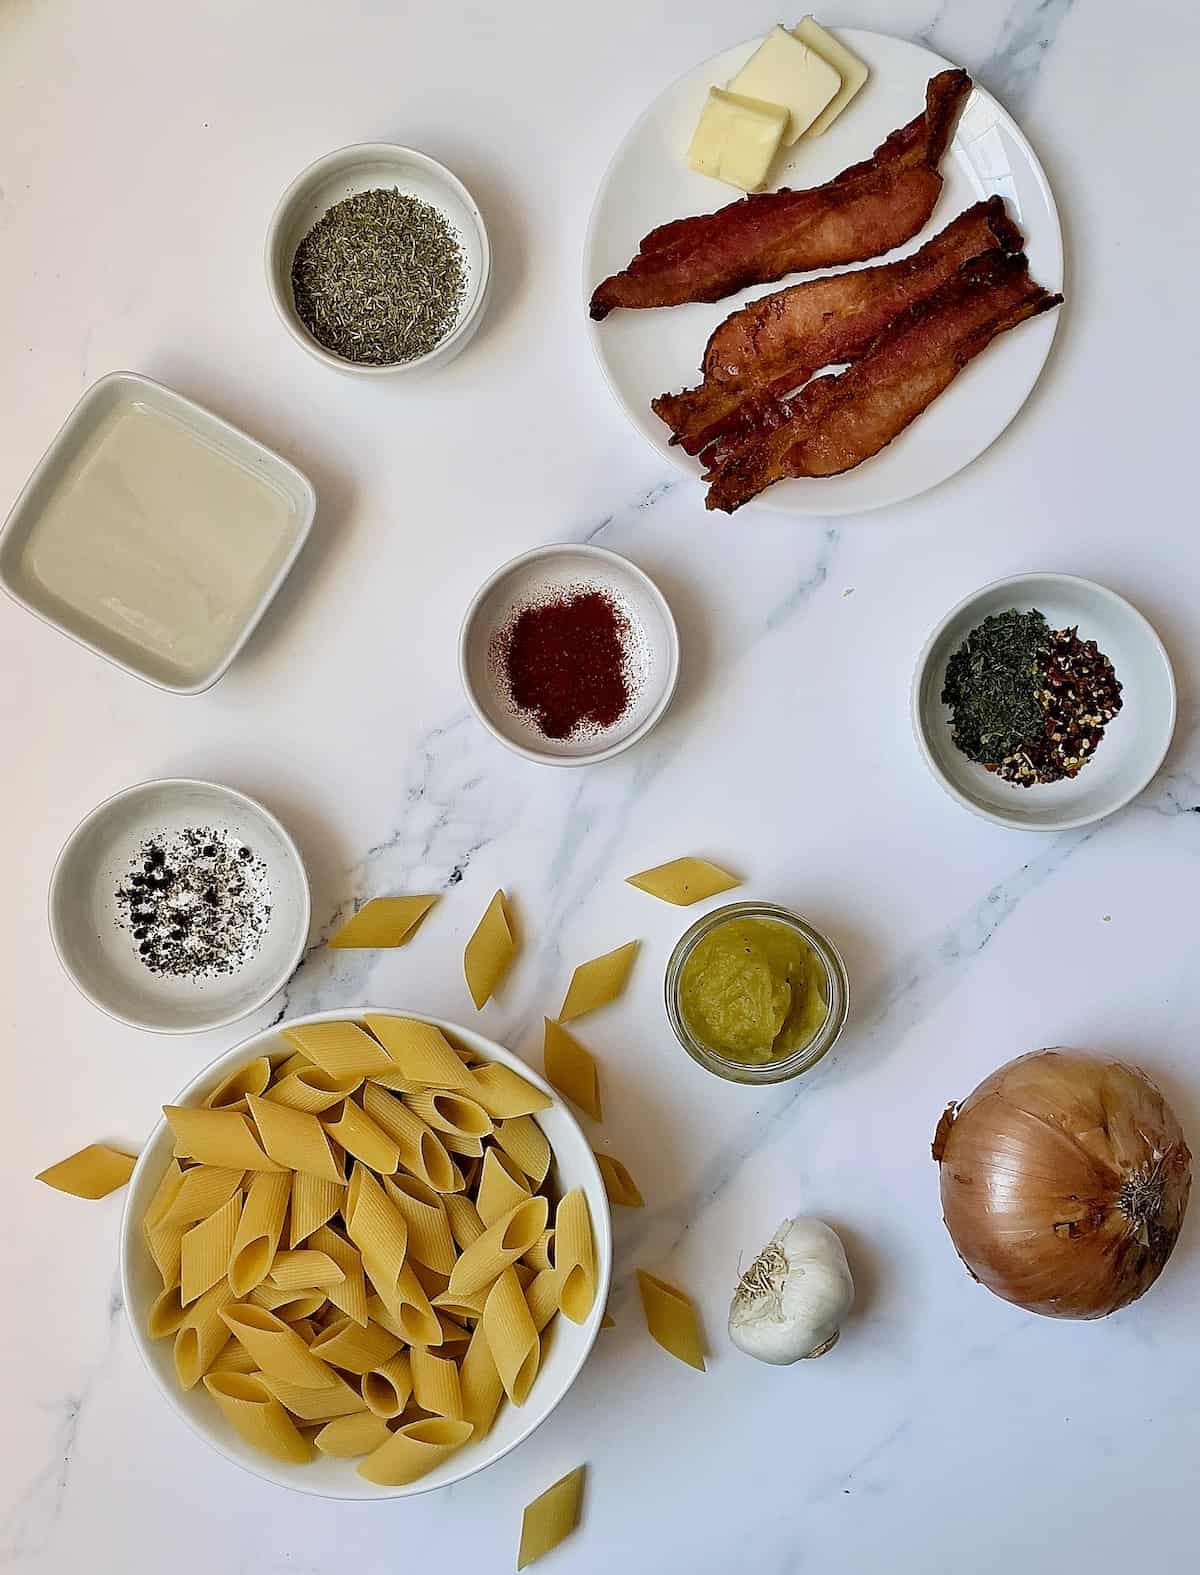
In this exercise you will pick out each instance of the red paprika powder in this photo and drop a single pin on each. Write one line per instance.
(564, 661)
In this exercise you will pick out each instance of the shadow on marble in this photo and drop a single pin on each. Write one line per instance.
(866, 1268)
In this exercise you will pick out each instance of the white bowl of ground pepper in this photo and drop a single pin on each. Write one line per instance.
(378, 261)
(179, 905)
(1082, 700)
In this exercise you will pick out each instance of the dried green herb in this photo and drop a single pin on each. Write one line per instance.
(992, 683)
(380, 278)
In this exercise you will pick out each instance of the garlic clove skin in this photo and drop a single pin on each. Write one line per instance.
(791, 1302)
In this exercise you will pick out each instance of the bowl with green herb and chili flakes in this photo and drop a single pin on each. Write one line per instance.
(378, 261)
(1043, 702)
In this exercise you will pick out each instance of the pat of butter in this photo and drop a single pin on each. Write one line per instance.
(848, 66)
(784, 71)
(737, 139)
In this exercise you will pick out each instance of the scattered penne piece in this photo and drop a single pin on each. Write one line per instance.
(671, 1320)
(551, 1518)
(91, 1173)
(684, 881)
(490, 952)
(383, 922)
(572, 1069)
(618, 1183)
(596, 983)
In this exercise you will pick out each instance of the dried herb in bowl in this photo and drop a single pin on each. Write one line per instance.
(1028, 702)
(380, 279)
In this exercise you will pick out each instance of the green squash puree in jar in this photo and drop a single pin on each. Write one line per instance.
(753, 990)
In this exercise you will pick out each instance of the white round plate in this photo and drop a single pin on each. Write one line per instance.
(1134, 743)
(647, 352)
(653, 648)
(102, 958)
(564, 1353)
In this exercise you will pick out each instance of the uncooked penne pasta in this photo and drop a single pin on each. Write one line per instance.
(430, 1242)
(684, 881)
(295, 1139)
(489, 953)
(618, 1183)
(541, 1255)
(223, 1138)
(312, 1090)
(572, 1069)
(541, 1295)
(502, 1185)
(382, 922)
(343, 1344)
(275, 1346)
(575, 1256)
(256, 1414)
(378, 1229)
(596, 983)
(551, 1518)
(386, 1388)
(347, 1437)
(451, 1114)
(207, 1249)
(511, 1337)
(304, 1269)
(500, 1246)
(165, 1244)
(234, 1358)
(202, 1336)
(479, 1383)
(350, 1296)
(91, 1173)
(258, 1232)
(503, 1092)
(465, 1223)
(671, 1320)
(314, 1202)
(408, 1306)
(414, 1450)
(435, 1383)
(341, 1049)
(249, 1079)
(419, 1051)
(167, 1313)
(524, 1141)
(360, 1136)
(202, 1191)
(422, 1152)
(288, 1304)
(311, 1403)
(164, 1195)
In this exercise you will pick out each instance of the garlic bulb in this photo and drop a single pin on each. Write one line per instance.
(791, 1301)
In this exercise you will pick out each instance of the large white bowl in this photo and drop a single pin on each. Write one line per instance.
(565, 1354)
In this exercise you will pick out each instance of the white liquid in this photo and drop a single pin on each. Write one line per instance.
(161, 540)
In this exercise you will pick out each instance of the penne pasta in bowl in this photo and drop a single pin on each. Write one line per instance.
(365, 1253)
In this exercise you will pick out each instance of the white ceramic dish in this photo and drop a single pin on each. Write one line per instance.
(365, 167)
(644, 353)
(251, 476)
(564, 1356)
(101, 958)
(654, 649)
(1134, 744)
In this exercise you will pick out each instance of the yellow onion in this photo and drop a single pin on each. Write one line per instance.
(1064, 1181)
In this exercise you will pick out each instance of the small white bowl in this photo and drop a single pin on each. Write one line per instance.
(564, 1355)
(653, 644)
(1135, 742)
(249, 465)
(101, 958)
(367, 166)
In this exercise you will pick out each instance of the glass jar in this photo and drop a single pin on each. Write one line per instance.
(836, 992)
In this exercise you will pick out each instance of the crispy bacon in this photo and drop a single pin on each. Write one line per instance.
(836, 422)
(861, 213)
(768, 348)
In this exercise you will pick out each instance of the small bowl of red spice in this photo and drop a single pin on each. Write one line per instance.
(569, 654)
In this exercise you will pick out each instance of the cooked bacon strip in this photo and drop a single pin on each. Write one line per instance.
(770, 347)
(838, 421)
(861, 213)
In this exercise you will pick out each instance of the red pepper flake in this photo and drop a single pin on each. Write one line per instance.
(565, 662)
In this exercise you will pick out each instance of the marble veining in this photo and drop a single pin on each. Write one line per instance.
(947, 1430)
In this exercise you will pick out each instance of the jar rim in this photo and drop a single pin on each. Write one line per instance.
(800, 1059)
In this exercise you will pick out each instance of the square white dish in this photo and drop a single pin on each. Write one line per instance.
(101, 566)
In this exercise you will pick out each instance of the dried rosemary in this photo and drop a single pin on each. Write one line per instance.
(380, 279)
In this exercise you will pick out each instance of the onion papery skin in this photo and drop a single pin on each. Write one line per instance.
(1064, 1182)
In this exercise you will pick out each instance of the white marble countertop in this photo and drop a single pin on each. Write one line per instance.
(142, 147)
